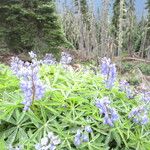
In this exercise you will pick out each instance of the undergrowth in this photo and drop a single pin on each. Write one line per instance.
(68, 105)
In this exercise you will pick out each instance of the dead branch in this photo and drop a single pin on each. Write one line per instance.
(135, 59)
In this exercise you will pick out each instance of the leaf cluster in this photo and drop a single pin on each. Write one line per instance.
(67, 106)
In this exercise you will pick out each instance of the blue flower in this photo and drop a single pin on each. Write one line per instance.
(82, 135)
(49, 59)
(88, 129)
(65, 58)
(125, 87)
(146, 97)
(85, 137)
(109, 72)
(30, 83)
(139, 115)
(78, 136)
(49, 142)
(32, 55)
(77, 141)
(110, 114)
(105, 66)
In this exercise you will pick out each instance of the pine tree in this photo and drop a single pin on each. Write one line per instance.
(131, 27)
(148, 6)
(82, 5)
(104, 28)
(115, 18)
(30, 25)
(148, 29)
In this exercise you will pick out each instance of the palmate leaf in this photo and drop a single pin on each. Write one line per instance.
(6, 112)
(5, 134)
(38, 134)
(15, 134)
(14, 127)
(117, 138)
(22, 136)
(11, 138)
(2, 144)
(34, 118)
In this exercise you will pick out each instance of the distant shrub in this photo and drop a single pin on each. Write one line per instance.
(129, 66)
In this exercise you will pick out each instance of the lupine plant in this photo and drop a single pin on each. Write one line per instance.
(78, 109)
(146, 96)
(19, 147)
(48, 142)
(66, 58)
(139, 115)
(49, 59)
(30, 83)
(109, 113)
(82, 135)
(108, 70)
(125, 87)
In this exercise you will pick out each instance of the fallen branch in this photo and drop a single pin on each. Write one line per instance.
(135, 59)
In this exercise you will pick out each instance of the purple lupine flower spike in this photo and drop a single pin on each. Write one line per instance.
(77, 139)
(109, 72)
(146, 97)
(49, 59)
(88, 129)
(65, 58)
(30, 83)
(139, 115)
(49, 142)
(105, 66)
(82, 135)
(32, 55)
(110, 114)
(85, 137)
(125, 87)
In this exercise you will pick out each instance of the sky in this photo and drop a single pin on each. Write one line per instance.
(140, 5)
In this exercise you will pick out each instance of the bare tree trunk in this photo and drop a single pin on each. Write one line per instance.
(142, 47)
(120, 34)
(81, 42)
(104, 28)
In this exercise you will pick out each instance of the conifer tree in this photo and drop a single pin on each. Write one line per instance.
(148, 6)
(82, 5)
(116, 14)
(30, 25)
(148, 9)
(147, 36)
(115, 18)
(131, 27)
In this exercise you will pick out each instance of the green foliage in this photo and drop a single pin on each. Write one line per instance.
(129, 66)
(148, 22)
(126, 67)
(133, 78)
(145, 68)
(8, 82)
(31, 25)
(148, 7)
(84, 9)
(115, 18)
(67, 106)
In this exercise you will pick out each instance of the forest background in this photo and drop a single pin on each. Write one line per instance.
(87, 28)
